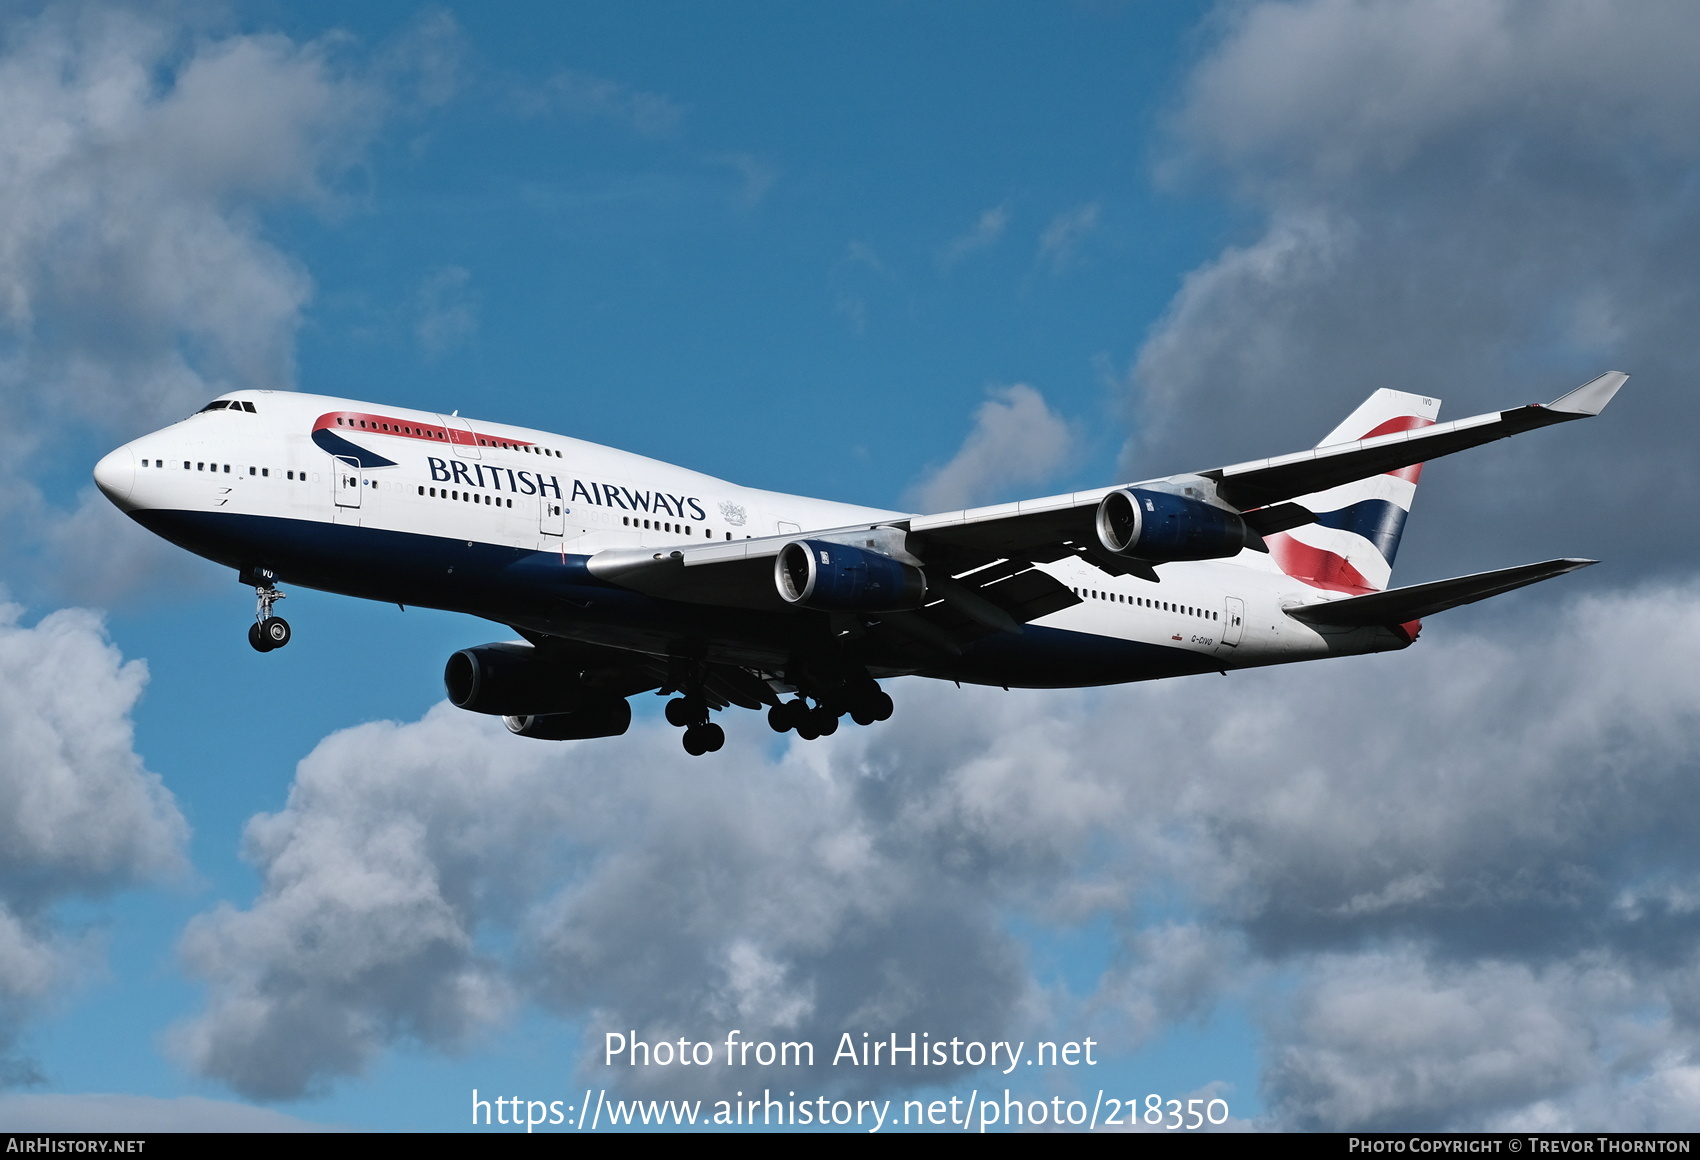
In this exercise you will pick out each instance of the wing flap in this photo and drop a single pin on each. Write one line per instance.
(1401, 605)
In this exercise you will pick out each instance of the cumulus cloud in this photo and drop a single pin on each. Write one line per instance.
(374, 873)
(129, 238)
(1416, 839)
(1488, 202)
(136, 161)
(79, 815)
(1393, 1040)
(1017, 441)
(648, 894)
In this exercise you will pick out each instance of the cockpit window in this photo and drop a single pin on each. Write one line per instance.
(232, 404)
(216, 405)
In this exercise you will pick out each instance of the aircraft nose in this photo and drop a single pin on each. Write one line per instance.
(115, 475)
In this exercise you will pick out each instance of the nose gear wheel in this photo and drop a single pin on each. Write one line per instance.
(268, 632)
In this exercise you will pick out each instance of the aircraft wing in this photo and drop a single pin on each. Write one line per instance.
(1267, 481)
(1402, 605)
(966, 598)
(980, 563)
(1042, 524)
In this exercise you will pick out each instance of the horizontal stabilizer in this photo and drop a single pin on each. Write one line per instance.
(1401, 605)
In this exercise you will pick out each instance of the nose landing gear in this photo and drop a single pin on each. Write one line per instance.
(268, 631)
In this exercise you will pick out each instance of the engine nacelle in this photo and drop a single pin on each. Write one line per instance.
(599, 715)
(840, 578)
(1156, 527)
(509, 680)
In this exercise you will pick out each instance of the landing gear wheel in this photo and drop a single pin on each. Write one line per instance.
(883, 706)
(679, 712)
(268, 631)
(274, 631)
(779, 719)
(697, 739)
(824, 721)
(713, 736)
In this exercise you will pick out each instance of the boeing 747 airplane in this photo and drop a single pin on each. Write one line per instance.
(623, 574)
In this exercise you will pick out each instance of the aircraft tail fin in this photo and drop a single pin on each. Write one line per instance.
(1403, 605)
(1352, 543)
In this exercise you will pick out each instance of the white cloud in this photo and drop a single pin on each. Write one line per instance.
(1062, 239)
(137, 158)
(1167, 974)
(646, 891)
(448, 310)
(1342, 88)
(1489, 202)
(1475, 868)
(374, 876)
(756, 176)
(586, 97)
(79, 815)
(1400, 1040)
(77, 810)
(95, 1112)
(1392, 1041)
(129, 235)
(1482, 813)
(1479, 851)
(988, 229)
(1017, 441)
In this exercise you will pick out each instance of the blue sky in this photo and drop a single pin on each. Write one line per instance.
(889, 254)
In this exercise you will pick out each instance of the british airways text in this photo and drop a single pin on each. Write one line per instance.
(535, 483)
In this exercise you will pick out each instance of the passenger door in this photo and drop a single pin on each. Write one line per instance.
(460, 436)
(1233, 621)
(553, 516)
(348, 482)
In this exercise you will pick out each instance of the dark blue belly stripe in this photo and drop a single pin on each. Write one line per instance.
(554, 592)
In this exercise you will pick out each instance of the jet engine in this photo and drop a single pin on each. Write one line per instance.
(511, 680)
(1156, 527)
(841, 578)
(600, 715)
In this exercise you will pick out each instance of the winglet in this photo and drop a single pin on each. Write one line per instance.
(1591, 398)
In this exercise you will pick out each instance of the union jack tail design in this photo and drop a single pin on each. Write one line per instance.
(1350, 547)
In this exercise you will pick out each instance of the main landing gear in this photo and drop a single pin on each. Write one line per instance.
(826, 690)
(865, 704)
(691, 712)
(268, 631)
